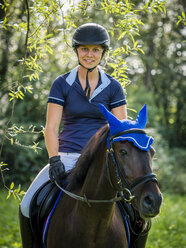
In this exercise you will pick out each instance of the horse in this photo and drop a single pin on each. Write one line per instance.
(89, 217)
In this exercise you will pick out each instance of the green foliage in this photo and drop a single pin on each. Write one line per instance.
(17, 193)
(137, 96)
(168, 229)
(162, 70)
(169, 163)
(9, 224)
(15, 131)
(182, 18)
(170, 166)
(127, 20)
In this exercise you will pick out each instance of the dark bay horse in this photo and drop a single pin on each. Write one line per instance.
(100, 174)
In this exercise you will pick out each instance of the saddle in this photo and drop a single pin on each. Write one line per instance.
(40, 207)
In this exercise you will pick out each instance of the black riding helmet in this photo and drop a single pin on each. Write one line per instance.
(91, 34)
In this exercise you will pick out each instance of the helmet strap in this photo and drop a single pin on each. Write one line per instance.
(87, 88)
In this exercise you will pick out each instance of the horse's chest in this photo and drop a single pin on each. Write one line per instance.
(88, 233)
(99, 233)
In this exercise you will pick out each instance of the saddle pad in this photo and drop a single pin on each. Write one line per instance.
(46, 224)
(41, 205)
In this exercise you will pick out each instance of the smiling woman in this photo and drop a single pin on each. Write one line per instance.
(90, 37)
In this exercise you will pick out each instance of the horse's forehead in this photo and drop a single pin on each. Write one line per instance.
(126, 144)
(123, 144)
(135, 151)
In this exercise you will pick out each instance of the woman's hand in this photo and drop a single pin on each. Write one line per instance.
(56, 169)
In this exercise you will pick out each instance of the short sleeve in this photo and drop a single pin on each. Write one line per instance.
(117, 95)
(57, 91)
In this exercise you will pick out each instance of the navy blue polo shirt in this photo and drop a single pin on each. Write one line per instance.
(81, 116)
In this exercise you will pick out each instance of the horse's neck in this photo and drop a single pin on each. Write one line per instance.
(96, 185)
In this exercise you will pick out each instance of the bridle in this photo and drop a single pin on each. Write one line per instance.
(126, 188)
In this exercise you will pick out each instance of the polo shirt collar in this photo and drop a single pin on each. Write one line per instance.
(105, 81)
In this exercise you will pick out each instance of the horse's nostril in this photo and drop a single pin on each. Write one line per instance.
(148, 201)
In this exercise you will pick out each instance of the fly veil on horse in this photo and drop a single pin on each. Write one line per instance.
(115, 164)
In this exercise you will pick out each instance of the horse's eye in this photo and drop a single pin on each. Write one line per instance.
(123, 152)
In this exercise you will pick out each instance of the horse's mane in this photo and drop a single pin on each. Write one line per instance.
(94, 147)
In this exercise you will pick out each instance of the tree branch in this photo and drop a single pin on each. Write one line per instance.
(28, 28)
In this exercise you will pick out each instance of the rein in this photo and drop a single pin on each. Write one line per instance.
(84, 198)
(126, 192)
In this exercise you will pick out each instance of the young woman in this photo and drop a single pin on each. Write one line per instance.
(74, 99)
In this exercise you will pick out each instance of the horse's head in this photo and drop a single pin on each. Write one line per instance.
(135, 171)
(130, 153)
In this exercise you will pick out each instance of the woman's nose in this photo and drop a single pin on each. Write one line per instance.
(89, 53)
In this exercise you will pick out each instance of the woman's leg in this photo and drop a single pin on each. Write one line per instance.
(27, 235)
(40, 179)
(69, 159)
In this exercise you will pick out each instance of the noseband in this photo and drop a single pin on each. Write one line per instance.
(126, 188)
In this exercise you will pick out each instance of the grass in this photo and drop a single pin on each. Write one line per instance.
(168, 229)
(9, 224)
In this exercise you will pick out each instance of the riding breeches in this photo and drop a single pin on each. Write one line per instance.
(68, 159)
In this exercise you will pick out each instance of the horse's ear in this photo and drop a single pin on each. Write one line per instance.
(112, 120)
(142, 117)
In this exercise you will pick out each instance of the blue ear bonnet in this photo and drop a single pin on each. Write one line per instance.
(140, 140)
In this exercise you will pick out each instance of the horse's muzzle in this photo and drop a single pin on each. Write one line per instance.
(150, 204)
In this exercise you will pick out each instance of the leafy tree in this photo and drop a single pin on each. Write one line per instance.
(36, 48)
(163, 70)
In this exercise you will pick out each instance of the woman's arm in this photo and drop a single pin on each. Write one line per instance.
(54, 114)
(120, 112)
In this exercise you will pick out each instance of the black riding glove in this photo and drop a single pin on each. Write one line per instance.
(56, 169)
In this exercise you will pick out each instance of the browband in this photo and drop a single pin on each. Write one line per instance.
(132, 130)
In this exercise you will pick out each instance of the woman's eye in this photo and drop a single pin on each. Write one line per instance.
(84, 49)
(123, 152)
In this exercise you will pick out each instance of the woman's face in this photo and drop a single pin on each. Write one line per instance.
(89, 55)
